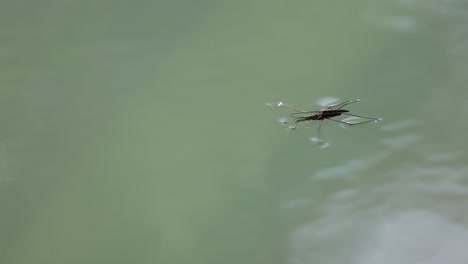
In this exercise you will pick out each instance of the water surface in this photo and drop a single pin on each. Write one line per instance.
(137, 132)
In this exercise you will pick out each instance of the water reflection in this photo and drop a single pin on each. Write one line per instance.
(405, 237)
(413, 16)
(414, 237)
(367, 213)
(350, 168)
(400, 204)
(320, 142)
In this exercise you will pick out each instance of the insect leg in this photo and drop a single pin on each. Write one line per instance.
(281, 104)
(351, 124)
(370, 118)
(348, 102)
(319, 129)
(304, 112)
(342, 104)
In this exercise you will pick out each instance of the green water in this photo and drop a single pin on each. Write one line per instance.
(137, 132)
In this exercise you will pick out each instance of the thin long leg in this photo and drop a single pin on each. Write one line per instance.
(372, 118)
(295, 109)
(337, 104)
(350, 124)
(304, 112)
(349, 102)
(342, 104)
(319, 130)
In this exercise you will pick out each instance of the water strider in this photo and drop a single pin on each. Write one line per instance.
(327, 113)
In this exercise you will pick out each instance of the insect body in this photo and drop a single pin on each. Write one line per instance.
(322, 114)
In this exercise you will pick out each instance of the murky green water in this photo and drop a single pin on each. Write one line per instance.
(137, 132)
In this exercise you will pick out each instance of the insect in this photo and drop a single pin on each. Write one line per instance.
(328, 113)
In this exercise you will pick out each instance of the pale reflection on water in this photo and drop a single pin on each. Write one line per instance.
(404, 237)
(414, 237)
(408, 213)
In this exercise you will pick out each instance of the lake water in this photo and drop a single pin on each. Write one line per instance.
(138, 132)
